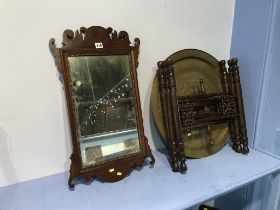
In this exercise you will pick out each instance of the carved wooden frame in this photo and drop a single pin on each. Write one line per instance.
(179, 115)
(83, 43)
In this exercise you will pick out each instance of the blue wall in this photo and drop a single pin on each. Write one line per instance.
(268, 130)
(249, 41)
(256, 43)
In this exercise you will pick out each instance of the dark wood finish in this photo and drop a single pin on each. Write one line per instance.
(175, 116)
(82, 42)
(225, 79)
(186, 113)
(233, 122)
(165, 101)
(191, 65)
(238, 92)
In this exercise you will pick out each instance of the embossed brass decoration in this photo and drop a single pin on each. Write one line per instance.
(190, 66)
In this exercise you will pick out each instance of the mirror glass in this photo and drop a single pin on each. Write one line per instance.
(104, 107)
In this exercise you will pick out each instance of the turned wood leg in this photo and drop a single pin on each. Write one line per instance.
(182, 158)
(167, 115)
(244, 141)
(174, 159)
(175, 123)
(238, 148)
(241, 118)
(227, 88)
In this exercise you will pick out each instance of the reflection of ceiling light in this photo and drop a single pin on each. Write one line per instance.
(115, 92)
(78, 83)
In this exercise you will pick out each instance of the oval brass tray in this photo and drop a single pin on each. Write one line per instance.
(191, 65)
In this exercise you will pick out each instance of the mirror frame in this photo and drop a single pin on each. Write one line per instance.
(96, 41)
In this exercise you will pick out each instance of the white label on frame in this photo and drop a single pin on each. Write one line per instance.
(98, 45)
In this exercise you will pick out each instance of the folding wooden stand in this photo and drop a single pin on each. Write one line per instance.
(185, 113)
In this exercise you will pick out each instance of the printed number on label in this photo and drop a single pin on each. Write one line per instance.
(98, 44)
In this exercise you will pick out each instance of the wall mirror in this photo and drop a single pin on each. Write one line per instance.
(99, 74)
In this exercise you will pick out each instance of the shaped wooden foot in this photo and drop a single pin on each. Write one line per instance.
(70, 181)
(149, 152)
(73, 173)
(183, 165)
(174, 164)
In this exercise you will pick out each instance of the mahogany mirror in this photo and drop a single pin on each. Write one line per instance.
(99, 73)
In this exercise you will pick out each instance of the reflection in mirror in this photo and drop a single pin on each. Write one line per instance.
(104, 107)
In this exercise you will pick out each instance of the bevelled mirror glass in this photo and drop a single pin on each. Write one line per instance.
(99, 75)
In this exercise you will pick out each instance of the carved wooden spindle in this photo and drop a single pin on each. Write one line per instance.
(235, 128)
(238, 91)
(231, 121)
(176, 118)
(206, 110)
(162, 93)
(225, 85)
(173, 142)
(223, 72)
(166, 112)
